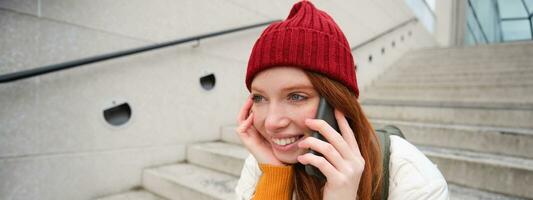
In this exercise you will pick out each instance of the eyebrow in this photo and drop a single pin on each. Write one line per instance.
(310, 87)
(259, 90)
(300, 86)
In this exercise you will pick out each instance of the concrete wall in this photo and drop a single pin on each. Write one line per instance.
(388, 49)
(450, 23)
(54, 141)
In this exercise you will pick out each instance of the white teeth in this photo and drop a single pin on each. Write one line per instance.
(285, 141)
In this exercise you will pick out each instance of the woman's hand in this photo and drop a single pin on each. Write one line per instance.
(342, 163)
(260, 148)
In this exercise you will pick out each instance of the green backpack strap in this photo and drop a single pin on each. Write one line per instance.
(393, 130)
(384, 139)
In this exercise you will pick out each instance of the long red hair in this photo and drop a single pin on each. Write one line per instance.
(341, 98)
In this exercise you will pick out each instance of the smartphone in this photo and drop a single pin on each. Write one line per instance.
(326, 113)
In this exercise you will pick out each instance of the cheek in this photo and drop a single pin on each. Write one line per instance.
(303, 113)
(259, 118)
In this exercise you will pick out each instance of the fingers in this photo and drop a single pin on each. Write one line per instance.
(326, 149)
(319, 162)
(347, 132)
(332, 136)
(245, 124)
(245, 120)
(245, 110)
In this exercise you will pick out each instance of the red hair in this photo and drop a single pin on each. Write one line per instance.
(343, 99)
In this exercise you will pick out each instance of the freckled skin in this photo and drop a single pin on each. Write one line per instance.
(282, 101)
(277, 115)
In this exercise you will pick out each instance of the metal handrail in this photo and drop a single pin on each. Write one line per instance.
(79, 62)
(413, 19)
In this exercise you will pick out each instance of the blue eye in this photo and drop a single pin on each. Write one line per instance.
(297, 97)
(256, 98)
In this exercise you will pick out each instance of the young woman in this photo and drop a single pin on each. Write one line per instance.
(292, 65)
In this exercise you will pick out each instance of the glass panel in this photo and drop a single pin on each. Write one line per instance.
(516, 30)
(474, 27)
(423, 13)
(469, 38)
(431, 4)
(512, 9)
(529, 4)
(494, 21)
(488, 18)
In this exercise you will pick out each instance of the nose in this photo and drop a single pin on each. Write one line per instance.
(276, 118)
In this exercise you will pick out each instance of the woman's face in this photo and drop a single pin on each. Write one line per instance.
(283, 98)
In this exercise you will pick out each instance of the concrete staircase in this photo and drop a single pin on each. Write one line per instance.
(470, 110)
(212, 172)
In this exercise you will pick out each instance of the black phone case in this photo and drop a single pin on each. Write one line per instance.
(326, 113)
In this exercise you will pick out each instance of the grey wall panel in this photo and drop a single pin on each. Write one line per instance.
(28, 42)
(82, 175)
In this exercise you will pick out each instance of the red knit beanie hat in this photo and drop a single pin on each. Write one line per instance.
(308, 39)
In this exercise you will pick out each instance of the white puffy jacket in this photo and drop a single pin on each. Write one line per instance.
(411, 175)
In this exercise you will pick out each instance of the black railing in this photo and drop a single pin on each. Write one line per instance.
(77, 63)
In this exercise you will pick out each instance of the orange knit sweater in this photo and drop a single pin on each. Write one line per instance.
(275, 183)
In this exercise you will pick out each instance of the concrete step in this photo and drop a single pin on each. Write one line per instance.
(495, 140)
(482, 66)
(187, 181)
(460, 65)
(228, 134)
(518, 75)
(499, 115)
(524, 99)
(492, 52)
(454, 84)
(487, 52)
(445, 61)
(434, 73)
(220, 156)
(462, 80)
(516, 94)
(458, 89)
(424, 56)
(448, 62)
(133, 195)
(500, 174)
(458, 192)
(502, 105)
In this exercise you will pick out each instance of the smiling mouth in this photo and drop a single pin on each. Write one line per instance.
(286, 141)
